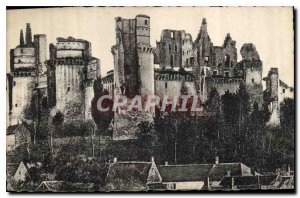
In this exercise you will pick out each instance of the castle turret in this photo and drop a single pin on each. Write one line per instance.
(252, 66)
(271, 97)
(142, 29)
(146, 59)
(28, 34)
(21, 38)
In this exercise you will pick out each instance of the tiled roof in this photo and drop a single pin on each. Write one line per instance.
(182, 173)
(124, 176)
(221, 170)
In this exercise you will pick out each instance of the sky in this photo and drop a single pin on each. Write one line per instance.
(270, 29)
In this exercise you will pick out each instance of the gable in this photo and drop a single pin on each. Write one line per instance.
(154, 176)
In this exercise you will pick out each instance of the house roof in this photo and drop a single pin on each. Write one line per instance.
(11, 169)
(183, 173)
(221, 170)
(53, 186)
(128, 176)
(61, 186)
(12, 129)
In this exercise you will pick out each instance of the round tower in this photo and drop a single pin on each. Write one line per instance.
(142, 29)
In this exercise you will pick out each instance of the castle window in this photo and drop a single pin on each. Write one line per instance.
(252, 80)
(175, 48)
(215, 72)
(187, 62)
(172, 186)
(22, 51)
(16, 105)
(171, 61)
(166, 85)
(14, 83)
(68, 89)
(172, 34)
(19, 60)
(226, 74)
(170, 48)
(283, 90)
(206, 59)
(192, 61)
(146, 22)
(227, 60)
(182, 52)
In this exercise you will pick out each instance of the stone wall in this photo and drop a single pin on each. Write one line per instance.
(22, 88)
(223, 84)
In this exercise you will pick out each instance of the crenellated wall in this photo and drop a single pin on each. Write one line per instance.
(223, 84)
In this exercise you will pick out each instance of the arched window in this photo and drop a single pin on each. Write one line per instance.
(171, 61)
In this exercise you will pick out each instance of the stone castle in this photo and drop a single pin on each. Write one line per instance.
(65, 80)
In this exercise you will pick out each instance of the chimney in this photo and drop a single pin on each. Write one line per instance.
(217, 160)
(207, 183)
(228, 173)
(28, 36)
(166, 163)
(152, 159)
(232, 182)
(115, 160)
(204, 26)
(21, 38)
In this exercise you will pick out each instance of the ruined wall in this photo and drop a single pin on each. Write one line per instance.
(108, 82)
(252, 67)
(271, 97)
(203, 48)
(126, 62)
(284, 91)
(170, 47)
(187, 51)
(253, 79)
(224, 58)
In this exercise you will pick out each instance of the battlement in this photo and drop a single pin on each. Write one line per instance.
(71, 39)
(224, 80)
(169, 75)
(70, 61)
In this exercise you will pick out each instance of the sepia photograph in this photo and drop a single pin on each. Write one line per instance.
(150, 99)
